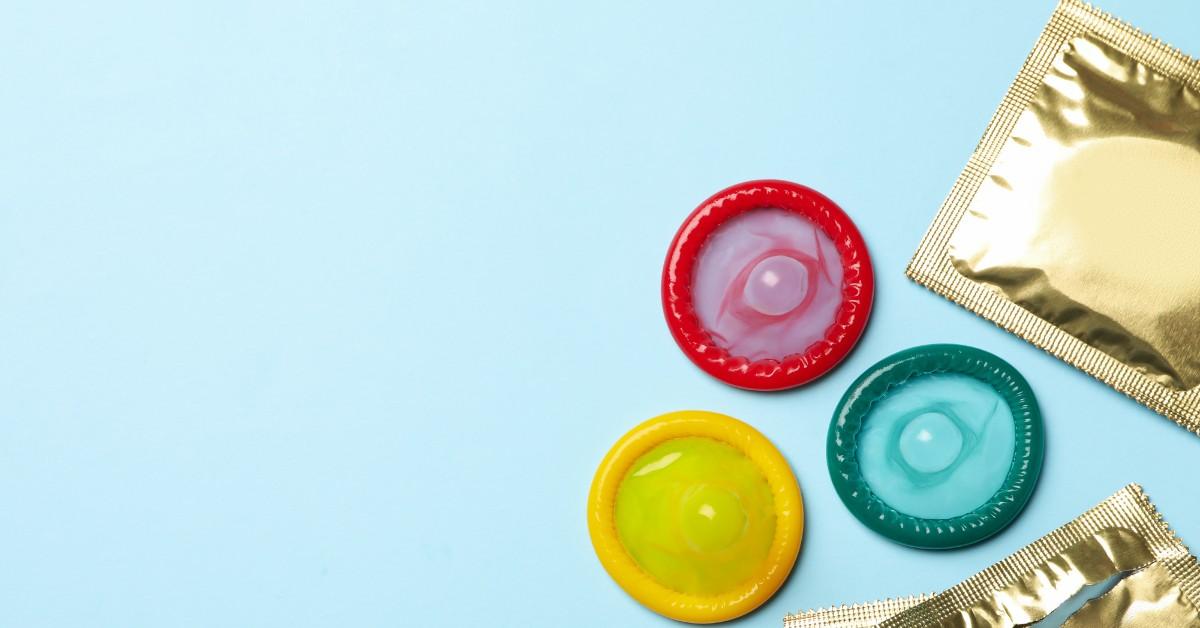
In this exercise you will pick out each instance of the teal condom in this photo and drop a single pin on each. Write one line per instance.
(937, 446)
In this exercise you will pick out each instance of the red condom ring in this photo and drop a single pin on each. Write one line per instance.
(707, 348)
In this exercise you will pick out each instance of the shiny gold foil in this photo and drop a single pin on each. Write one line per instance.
(856, 616)
(1150, 598)
(1122, 544)
(1076, 223)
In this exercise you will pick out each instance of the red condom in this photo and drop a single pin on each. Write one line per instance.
(767, 285)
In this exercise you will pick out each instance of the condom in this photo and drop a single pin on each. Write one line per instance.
(696, 515)
(767, 285)
(937, 446)
(1118, 565)
(1075, 223)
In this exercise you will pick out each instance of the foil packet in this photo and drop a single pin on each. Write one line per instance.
(856, 616)
(1117, 565)
(1076, 222)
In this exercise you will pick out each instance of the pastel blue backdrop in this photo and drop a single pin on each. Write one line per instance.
(323, 313)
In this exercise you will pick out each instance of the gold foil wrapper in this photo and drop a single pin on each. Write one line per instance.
(1076, 222)
(856, 616)
(1117, 565)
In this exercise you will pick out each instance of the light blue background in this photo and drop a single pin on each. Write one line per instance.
(323, 313)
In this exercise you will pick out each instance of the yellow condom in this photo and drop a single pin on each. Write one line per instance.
(696, 515)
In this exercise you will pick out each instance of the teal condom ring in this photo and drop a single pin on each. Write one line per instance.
(922, 419)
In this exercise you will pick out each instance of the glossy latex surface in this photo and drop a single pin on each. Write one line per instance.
(755, 291)
(937, 446)
(697, 515)
(767, 284)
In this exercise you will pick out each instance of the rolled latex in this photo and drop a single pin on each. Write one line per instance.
(696, 515)
(923, 447)
(767, 285)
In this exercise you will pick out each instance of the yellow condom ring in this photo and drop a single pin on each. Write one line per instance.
(785, 498)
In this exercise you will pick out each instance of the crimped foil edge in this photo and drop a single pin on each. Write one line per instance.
(931, 265)
(864, 615)
(1128, 508)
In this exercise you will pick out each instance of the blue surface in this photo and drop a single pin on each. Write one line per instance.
(322, 314)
